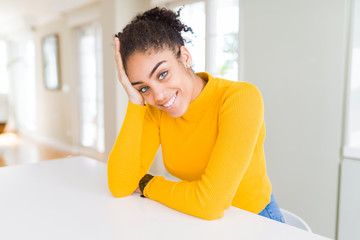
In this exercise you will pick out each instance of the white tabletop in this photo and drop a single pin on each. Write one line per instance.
(69, 199)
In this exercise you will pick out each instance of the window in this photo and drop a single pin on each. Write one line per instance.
(193, 15)
(352, 141)
(225, 38)
(4, 85)
(4, 82)
(28, 86)
(216, 26)
(91, 99)
(21, 62)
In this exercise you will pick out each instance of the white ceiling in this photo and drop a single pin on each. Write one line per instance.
(16, 15)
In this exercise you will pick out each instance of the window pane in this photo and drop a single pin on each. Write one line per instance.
(90, 85)
(30, 85)
(354, 99)
(227, 16)
(23, 88)
(4, 83)
(226, 56)
(193, 15)
(221, 58)
(227, 27)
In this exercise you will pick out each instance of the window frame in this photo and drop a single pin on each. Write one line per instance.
(348, 151)
(90, 150)
(210, 9)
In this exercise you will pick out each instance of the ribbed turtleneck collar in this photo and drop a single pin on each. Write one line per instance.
(200, 103)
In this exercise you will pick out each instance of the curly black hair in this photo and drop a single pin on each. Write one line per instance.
(154, 29)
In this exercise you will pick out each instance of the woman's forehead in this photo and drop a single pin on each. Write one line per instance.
(149, 58)
(141, 65)
(153, 53)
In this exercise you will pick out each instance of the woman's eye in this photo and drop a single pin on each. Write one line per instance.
(162, 75)
(143, 89)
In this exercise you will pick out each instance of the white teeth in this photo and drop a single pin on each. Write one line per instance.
(170, 102)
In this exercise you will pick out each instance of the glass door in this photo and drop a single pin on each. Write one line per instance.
(90, 87)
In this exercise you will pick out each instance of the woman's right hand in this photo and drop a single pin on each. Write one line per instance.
(133, 94)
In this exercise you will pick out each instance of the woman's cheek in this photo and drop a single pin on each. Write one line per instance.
(149, 99)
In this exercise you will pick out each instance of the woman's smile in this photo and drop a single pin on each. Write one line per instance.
(171, 103)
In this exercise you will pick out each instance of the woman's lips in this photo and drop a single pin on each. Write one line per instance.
(170, 104)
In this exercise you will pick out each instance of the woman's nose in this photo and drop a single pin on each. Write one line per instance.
(159, 94)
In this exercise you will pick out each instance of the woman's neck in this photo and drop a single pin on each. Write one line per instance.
(199, 85)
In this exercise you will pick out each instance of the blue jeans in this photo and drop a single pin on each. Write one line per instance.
(272, 211)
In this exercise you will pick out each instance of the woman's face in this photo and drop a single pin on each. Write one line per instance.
(164, 81)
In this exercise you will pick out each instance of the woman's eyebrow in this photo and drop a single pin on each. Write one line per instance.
(156, 66)
(152, 72)
(136, 83)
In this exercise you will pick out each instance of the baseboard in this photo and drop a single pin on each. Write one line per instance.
(76, 150)
(49, 141)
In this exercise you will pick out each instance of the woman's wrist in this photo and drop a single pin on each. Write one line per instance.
(137, 102)
(143, 182)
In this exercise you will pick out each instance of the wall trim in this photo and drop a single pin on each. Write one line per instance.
(49, 141)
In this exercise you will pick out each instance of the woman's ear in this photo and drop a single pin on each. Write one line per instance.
(185, 57)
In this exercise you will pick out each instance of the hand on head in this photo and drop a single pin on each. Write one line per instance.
(133, 94)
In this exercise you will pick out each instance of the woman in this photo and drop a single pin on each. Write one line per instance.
(211, 130)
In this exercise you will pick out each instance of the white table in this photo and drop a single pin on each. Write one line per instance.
(69, 199)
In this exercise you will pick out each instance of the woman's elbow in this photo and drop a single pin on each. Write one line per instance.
(212, 217)
(211, 214)
(119, 186)
(120, 191)
(119, 194)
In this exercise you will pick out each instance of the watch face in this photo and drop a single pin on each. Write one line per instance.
(144, 181)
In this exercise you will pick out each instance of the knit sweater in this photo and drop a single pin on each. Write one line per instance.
(216, 149)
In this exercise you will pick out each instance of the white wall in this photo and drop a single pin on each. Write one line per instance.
(54, 108)
(294, 52)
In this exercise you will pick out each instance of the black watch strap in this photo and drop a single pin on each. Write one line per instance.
(143, 182)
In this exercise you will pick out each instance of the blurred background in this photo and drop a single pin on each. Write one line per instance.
(59, 95)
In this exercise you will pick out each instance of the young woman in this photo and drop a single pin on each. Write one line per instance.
(211, 130)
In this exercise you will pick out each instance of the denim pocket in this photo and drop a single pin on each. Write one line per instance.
(272, 211)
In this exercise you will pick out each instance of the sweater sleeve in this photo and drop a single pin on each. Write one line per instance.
(240, 119)
(133, 151)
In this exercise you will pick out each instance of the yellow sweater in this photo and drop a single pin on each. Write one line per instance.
(216, 149)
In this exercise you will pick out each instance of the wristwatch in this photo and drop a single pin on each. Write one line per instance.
(143, 182)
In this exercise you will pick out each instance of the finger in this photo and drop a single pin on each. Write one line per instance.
(117, 49)
(118, 59)
(117, 44)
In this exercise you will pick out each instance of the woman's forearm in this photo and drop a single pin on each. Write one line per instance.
(133, 151)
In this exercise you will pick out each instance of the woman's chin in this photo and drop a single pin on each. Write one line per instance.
(176, 116)
(176, 113)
